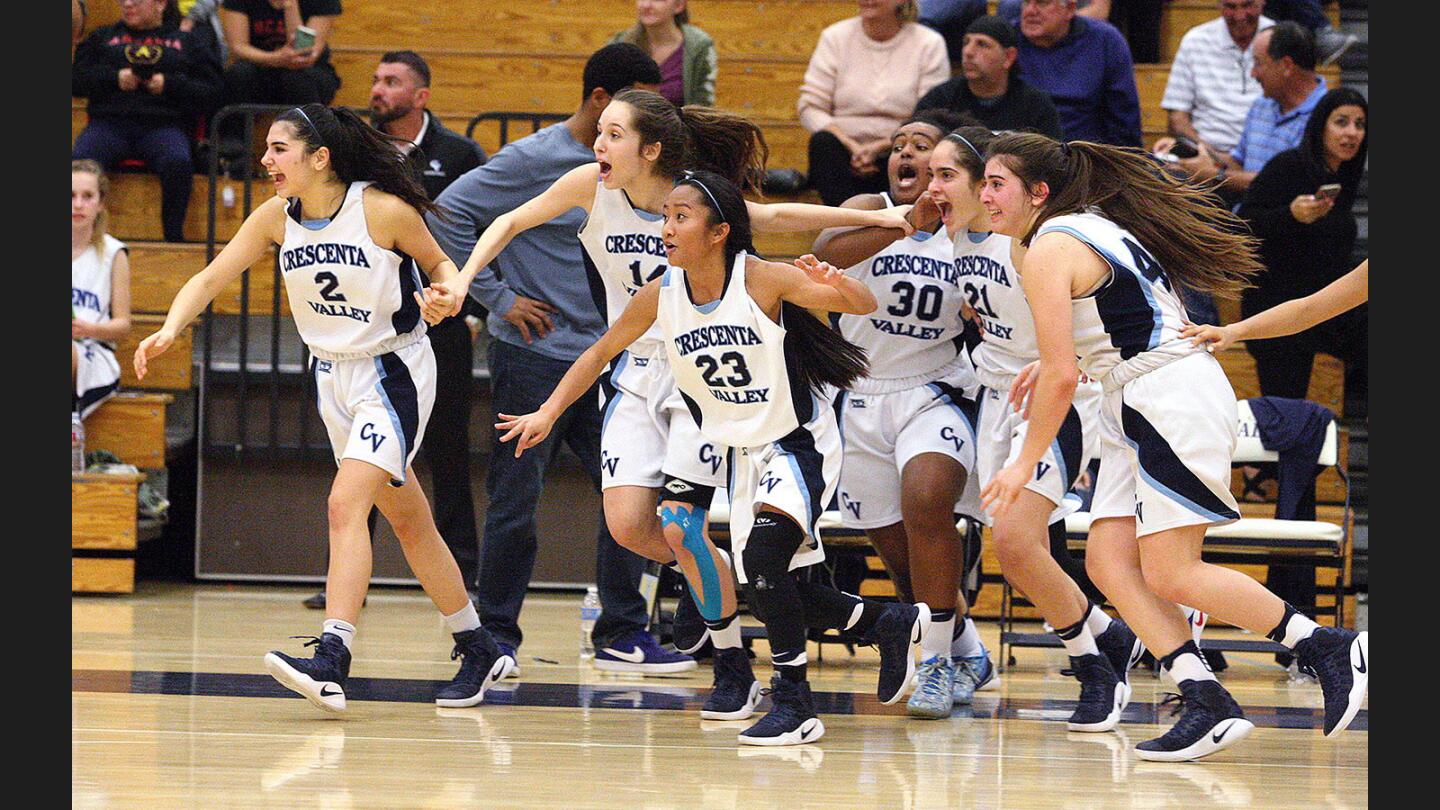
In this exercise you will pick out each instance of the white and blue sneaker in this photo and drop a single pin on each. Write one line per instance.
(320, 679)
(791, 719)
(932, 698)
(638, 651)
(509, 649)
(973, 673)
(483, 664)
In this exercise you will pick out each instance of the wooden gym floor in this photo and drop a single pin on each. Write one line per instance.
(171, 707)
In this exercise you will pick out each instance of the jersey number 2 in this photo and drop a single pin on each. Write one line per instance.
(739, 376)
(328, 283)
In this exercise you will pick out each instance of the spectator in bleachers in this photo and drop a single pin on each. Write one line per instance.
(145, 79)
(989, 87)
(1307, 239)
(950, 19)
(1084, 64)
(205, 14)
(1330, 44)
(99, 290)
(685, 54)
(1284, 57)
(268, 68)
(1138, 21)
(864, 78)
(542, 317)
(1206, 97)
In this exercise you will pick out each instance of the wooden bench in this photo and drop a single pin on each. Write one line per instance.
(170, 371)
(132, 426)
(103, 535)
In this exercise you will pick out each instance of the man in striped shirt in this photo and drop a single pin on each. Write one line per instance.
(1210, 88)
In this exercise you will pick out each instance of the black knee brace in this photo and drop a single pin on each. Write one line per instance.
(678, 489)
(770, 587)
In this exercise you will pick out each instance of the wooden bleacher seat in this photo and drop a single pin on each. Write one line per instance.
(132, 426)
(170, 371)
(159, 269)
(102, 522)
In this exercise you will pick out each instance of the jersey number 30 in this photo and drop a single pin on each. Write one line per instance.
(739, 376)
(926, 308)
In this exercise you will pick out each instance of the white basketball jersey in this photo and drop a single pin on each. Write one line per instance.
(729, 362)
(1131, 324)
(90, 277)
(992, 287)
(624, 246)
(914, 333)
(350, 297)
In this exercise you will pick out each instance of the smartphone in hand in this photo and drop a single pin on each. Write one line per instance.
(304, 38)
(1329, 191)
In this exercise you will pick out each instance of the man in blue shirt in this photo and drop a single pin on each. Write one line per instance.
(1285, 69)
(542, 316)
(1084, 64)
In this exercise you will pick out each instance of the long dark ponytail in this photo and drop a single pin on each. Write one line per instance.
(1197, 241)
(817, 355)
(358, 151)
(700, 138)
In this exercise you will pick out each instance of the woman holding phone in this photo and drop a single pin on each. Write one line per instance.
(281, 51)
(1300, 208)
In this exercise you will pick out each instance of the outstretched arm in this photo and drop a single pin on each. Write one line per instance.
(532, 428)
(1341, 295)
(790, 217)
(847, 247)
(256, 234)
(809, 283)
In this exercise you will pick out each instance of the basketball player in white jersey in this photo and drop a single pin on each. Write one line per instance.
(99, 291)
(1101, 650)
(749, 362)
(1110, 234)
(909, 425)
(650, 446)
(347, 217)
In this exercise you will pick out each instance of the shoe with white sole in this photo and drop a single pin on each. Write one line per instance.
(791, 719)
(736, 693)
(638, 651)
(1103, 694)
(897, 633)
(482, 666)
(1340, 659)
(1210, 721)
(973, 673)
(933, 698)
(321, 678)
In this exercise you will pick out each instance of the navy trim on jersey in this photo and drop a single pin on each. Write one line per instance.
(397, 391)
(808, 465)
(1126, 305)
(403, 320)
(93, 397)
(841, 397)
(597, 286)
(612, 391)
(1162, 469)
(1068, 445)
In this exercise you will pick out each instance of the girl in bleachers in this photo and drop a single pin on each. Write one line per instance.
(1110, 237)
(649, 441)
(750, 364)
(347, 216)
(685, 54)
(99, 290)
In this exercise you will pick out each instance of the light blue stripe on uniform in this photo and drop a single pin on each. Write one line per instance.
(1145, 286)
(616, 370)
(394, 419)
(1172, 494)
(812, 515)
(1060, 461)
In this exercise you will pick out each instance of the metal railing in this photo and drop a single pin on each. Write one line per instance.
(536, 119)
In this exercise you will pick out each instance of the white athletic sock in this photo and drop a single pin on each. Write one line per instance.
(1097, 620)
(463, 619)
(936, 641)
(727, 637)
(1297, 629)
(1080, 640)
(1188, 666)
(341, 628)
(968, 643)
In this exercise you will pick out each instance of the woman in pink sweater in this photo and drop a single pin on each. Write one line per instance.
(864, 78)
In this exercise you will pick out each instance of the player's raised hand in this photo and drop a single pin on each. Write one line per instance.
(818, 271)
(152, 346)
(532, 428)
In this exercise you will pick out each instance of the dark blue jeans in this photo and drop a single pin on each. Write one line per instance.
(165, 148)
(520, 381)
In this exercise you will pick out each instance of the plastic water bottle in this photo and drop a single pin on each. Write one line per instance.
(589, 614)
(77, 443)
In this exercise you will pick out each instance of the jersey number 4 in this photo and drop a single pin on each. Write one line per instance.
(328, 282)
(635, 273)
(1146, 264)
(739, 375)
(926, 305)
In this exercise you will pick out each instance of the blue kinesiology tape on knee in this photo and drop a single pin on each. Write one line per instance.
(691, 520)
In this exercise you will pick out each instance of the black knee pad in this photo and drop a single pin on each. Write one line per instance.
(697, 495)
(773, 541)
(971, 569)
